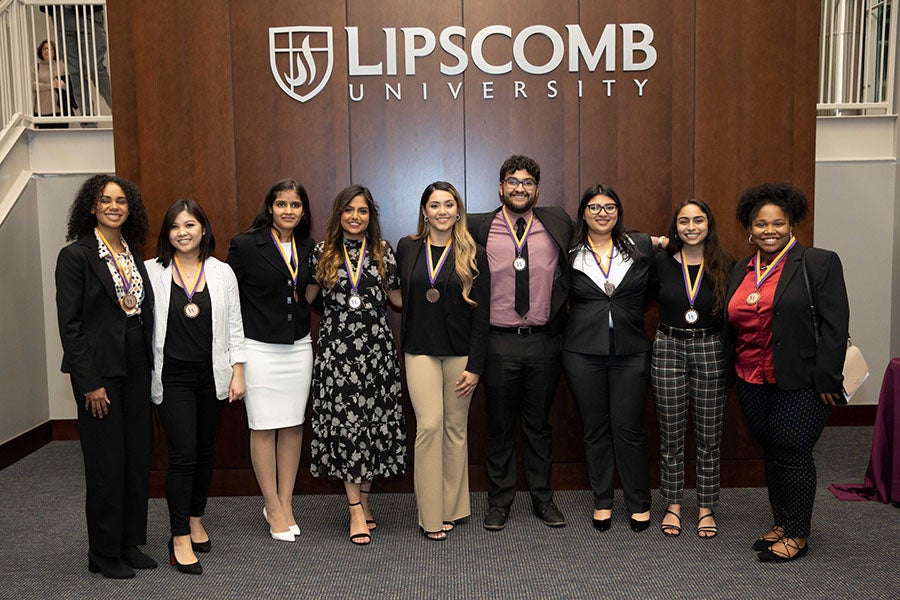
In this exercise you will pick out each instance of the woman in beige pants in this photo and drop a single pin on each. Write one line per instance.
(445, 285)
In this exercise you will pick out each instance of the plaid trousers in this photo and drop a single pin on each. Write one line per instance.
(689, 373)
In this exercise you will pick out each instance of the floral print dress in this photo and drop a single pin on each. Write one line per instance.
(358, 429)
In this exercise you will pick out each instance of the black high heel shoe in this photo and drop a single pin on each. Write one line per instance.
(201, 546)
(191, 569)
(601, 524)
(638, 526)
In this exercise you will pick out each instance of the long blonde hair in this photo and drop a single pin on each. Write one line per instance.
(332, 249)
(463, 244)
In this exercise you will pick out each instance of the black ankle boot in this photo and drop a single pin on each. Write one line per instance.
(111, 567)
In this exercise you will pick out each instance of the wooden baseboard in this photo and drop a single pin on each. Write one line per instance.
(22, 445)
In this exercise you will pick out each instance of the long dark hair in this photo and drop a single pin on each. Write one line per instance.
(264, 219)
(717, 262)
(82, 219)
(619, 238)
(164, 249)
(332, 248)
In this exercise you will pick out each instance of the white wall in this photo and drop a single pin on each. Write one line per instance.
(856, 215)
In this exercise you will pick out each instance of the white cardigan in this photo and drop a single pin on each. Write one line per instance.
(227, 327)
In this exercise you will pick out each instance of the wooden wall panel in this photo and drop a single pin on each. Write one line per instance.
(729, 103)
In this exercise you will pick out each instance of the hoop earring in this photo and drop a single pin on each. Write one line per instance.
(750, 239)
(425, 219)
(457, 217)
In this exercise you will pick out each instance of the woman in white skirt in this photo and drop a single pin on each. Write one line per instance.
(271, 262)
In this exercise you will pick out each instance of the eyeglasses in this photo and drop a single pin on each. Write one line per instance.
(609, 209)
(528, 184)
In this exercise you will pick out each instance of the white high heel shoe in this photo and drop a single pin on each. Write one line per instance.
(293, 529)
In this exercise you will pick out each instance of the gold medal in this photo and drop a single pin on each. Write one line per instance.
(752, 298)
(191, 310)
(432, 295)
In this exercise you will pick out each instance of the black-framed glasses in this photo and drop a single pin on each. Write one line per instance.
(609, 209)
(528, 184)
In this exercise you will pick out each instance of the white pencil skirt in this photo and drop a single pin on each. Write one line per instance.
(278, 378)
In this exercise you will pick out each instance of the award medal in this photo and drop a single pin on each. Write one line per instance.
(289, 261)
(355, 276)
(692, 288)
(128, 302)
(519, 264)
(754, 296)
(608, 286)
(191, 309)
(433, 295)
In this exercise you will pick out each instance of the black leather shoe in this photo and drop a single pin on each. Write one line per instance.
(549, 514)
(201, 546)
(194, 568)
(111, 567)
(137, 559)
(495, 519)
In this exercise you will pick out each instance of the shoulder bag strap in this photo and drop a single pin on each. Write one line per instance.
(812, 304)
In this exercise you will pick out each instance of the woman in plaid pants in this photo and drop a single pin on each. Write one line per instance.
(688, 365)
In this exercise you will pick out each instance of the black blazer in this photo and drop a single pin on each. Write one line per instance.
(267, 296)
(467, 326)
(589, 307)
(92, 324)
(799, 362)
(559, 226)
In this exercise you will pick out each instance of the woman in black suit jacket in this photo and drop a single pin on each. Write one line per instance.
(445, 286)
(105, 313)
(271, 262)
(787, 379)
(606, 351)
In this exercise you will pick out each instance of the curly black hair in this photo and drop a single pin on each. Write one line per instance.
(81, 217)
(790, 199)
(518, 162)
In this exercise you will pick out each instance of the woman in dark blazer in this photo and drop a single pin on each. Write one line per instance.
(271, 262)
(445, 286)
(105, 310)
(606, 351)
(787, 379)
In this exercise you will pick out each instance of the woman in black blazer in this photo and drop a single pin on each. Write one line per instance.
(445, 286)
(606, 351)
(104, 306)
(787, 379)
(271, 262)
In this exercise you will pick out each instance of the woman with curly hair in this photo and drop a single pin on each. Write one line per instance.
(687, 367)
(104, 305)
(446, 288)
(358, 432)
(788, 359)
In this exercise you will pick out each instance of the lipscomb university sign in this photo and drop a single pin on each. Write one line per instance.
(302, 58)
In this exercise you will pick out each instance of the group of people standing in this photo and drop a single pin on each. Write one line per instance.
(511, 298)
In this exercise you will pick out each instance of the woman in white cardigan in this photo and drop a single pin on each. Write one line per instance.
(198, 346)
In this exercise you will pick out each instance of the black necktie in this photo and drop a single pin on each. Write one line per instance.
(522, 296)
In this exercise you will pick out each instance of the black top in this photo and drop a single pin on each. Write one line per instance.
(465, 326)
(429, 336)
(189, 339)
(668, 283)
(268, 309)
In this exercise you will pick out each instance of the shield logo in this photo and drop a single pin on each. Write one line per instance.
(298, 56)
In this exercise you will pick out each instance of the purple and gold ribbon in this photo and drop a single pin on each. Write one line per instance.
(289, 261)
(759, 275)
(692, 288)
(126, 278)
(599, 259)
(355, 275)
(519, 242)
(434, 271)
(188, 292)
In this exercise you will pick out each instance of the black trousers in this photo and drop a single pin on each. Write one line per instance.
(787, 424)
(190, 414)
(610, 392)
(116, 453)
(520, 377)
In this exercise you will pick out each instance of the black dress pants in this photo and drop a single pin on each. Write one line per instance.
(520, 376)
(116, 452)
(787, 424)
(190, 414)
(610, 392)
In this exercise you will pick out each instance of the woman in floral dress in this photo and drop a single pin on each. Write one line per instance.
(358, 431)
